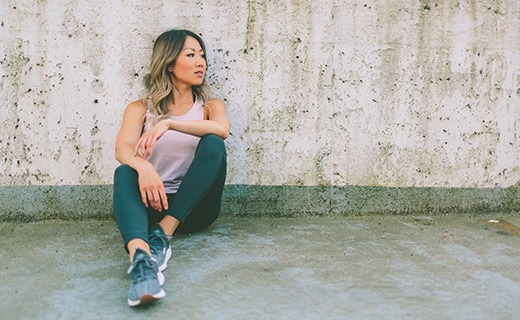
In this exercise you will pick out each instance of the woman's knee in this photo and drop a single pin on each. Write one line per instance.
(124, 172)
(123, 168)
(213, 141)
(213, 145)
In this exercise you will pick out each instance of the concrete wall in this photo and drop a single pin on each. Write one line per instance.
(325, 97)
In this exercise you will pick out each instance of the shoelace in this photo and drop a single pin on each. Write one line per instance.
(146, 267)
(158, 241)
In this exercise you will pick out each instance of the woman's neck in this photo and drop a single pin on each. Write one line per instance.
(182, 95)
(182, 101)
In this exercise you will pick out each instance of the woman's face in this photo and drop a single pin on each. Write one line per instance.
(190, 65)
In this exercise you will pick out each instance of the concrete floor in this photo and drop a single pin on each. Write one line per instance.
(318, 268)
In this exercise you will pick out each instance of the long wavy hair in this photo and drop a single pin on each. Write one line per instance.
(158, 85)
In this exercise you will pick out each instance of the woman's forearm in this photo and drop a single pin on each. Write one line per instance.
(200, 127)
(125, 155)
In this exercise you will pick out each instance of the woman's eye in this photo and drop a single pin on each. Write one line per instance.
(191, 55)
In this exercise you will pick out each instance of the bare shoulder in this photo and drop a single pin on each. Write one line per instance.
(135, 113)
(216, 103)
(137, 106)
(215, 107)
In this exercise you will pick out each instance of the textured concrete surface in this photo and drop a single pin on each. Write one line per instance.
(382, 93)
(35, 203)
(323, 268)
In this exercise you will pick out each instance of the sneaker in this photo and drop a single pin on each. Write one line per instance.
(145, 285)
(160, 246)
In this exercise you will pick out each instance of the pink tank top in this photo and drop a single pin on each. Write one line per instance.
(174, 151)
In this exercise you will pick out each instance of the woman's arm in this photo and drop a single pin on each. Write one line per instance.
(217, 123)
(150, 183)
(129, 134)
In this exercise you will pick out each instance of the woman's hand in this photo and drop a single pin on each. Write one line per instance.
(152, 188)
(147, 141)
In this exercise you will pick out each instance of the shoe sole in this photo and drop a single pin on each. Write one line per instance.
(147, 298)
(167, 257)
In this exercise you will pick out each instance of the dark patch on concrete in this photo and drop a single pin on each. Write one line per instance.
(507, 229)
(32, 203)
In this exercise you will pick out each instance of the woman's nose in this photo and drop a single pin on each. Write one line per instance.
(200, 61)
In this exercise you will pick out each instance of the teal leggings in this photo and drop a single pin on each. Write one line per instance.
(196, 203)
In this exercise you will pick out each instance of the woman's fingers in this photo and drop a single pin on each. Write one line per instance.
(137, 146)
(156, 201)
(149, 145)
(144, 197)
(152, 188)
(164, 199)
(156, 197)
(152, 143)
(146, 143)
(143, 146)
(151, 198)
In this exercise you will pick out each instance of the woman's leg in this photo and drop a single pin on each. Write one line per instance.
(132, 218)
(129, 211)
(197, 202)
(207, 210)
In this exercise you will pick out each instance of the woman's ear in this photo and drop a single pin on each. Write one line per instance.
(170, 69)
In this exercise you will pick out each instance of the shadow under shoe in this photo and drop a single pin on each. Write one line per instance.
(145, 285)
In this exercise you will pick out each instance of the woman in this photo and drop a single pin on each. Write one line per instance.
(173, 160)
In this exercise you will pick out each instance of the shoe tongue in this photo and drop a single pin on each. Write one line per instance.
(157, 230)
(139, 254)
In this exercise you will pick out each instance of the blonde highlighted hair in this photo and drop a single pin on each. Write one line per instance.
(158, 85)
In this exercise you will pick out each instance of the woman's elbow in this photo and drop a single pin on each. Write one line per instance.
(117, 154)
(224, 134)
(119, 151)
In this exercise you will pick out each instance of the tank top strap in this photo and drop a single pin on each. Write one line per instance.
(149, 104)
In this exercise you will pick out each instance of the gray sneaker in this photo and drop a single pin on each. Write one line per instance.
(145, 285)
(160, 246)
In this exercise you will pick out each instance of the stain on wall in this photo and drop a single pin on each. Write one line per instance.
(382, 93)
